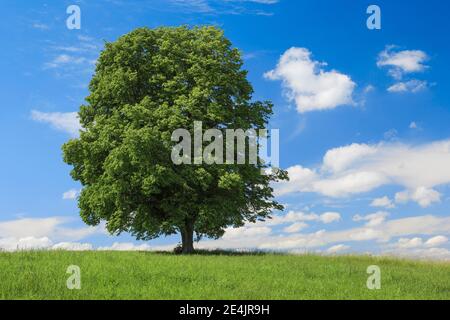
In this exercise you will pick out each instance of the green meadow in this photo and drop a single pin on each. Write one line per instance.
(144, 275)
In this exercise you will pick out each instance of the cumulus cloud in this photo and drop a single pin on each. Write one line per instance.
(70, 194)
(298, 216)
(295, 227)
(383, 202)
(53, 228)
(423, 196)
(360, 168)
(67, 122)
(26, 243)
(410, 243)
(419, 248)
(402, 62)
(441, 254)
(245, 232)
(339, 159)
(329, 217)
(44, 243)
(337, 249)
(377, 228)
(263, 237)
(350, 183)
(382, 231)
(300, 180)
(374, 219)
(307, 83)
(126, 246)
(408, 86)
(436, 241)
(73, 246)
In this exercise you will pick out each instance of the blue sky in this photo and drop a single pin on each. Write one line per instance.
(363, 118)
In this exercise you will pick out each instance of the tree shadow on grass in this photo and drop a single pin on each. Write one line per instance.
(218, 253)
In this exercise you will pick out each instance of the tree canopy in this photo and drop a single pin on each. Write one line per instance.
(147, 84)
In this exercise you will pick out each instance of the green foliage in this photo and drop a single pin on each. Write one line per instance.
(147, 84)
(141, 275)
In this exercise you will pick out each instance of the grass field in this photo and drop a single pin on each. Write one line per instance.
(143, 275)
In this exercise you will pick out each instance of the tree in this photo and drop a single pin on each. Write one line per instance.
(147, 84)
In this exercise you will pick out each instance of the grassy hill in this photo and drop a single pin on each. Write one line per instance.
(143, 275)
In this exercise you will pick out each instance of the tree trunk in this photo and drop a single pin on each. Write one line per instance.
(187, 238)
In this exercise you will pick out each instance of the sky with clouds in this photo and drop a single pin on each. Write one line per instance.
(363, 116)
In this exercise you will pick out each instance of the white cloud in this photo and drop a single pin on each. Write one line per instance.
(369, 88)
(418, 248)
(26, 243)
(339, 159)
(294, 217)
(436, 241)
(422, 195)
(402, 62)
(309, 85)
(337, 249)
(361, 168)
(53, 228)
(413, 86)
(44, 243)
(383, 202)
(67, 122)
(402, 197)
(263, 237)
(381, 231)
(295, 227)
(374, 219)
(29, 227)
(70, 195)
(350, 183)
(410, 243)
(75, 60)
(441, 254)
(128, 246)
(245, 232)
(300, 180)
(419, 242)
(329, 217)
(73, 246)
(66, 59)
(365, 234)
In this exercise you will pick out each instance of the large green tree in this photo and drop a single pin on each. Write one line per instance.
(147, 84)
